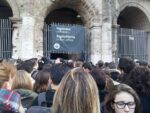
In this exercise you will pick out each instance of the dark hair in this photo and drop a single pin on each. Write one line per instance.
(70, 63)
(47, 67)
(126, 64)
(27, 65)
(100, 77)
(112, 65)
(143, 63)
(117, 89)
(57, 72)
(87, 65)
(100, 63)
(139, 79)
(41, 81)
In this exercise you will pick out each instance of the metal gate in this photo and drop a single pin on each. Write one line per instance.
(5, 38)
(132, 43)
(47, 43)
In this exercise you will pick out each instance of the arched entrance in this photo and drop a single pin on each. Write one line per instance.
(65, 16)
(5, 30)
(132, 34)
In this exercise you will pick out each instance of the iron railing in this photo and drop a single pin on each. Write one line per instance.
(132, 43)
(5, 38)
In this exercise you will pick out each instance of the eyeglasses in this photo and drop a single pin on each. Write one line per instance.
(121, 104)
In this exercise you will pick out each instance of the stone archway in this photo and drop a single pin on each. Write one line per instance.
(130, 4)
(70, 19)
(91, 17)
(133, 15)
(13, 5)
(6, 30)
(86, 9)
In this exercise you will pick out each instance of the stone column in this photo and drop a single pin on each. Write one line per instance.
(38, 37)
(114, 43)
(148, 44)
(15, 37)
(106, 42)
(27, 37)
(95, 42)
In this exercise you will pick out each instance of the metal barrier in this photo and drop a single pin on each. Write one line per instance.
(5, 38)
(132, 43)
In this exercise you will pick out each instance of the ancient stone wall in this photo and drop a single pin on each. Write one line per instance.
(98, 16)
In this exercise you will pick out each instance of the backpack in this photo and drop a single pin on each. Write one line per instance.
(38, 109)
(42, 99)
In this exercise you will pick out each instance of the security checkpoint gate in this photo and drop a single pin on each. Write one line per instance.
(132, 43)
(5, 38)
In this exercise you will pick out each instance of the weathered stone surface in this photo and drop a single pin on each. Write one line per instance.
(98, 17)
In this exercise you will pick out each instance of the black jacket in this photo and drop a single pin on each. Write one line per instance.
(49, 98)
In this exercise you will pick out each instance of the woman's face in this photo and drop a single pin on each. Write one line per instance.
(124, 103)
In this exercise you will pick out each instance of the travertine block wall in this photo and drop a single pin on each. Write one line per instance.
(98, 16)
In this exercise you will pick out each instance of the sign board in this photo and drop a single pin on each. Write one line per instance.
(67, 38)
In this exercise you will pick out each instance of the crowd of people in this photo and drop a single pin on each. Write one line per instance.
(67, 86)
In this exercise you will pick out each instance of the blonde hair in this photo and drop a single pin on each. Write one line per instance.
(22, 81)
(78, 93)
(7, 72)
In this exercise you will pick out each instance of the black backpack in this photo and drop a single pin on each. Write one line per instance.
(38, 109)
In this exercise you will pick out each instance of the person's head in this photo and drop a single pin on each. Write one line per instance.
(59, 61)
(70, 63)
(22, 80)
(112, 65)
(42, 80)
(122, 99)
(29, 65)
(57, 72)
(100, 64)
(78, 63)
(100, 78)
(33, 62)
(139, 80)
(126, 64)
(46, 67)
(7, 74)
(77, 93)
(87, 66)
(143, 63)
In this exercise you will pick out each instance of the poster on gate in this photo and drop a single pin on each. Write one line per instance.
(67, 38)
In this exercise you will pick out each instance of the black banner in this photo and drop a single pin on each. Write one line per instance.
(67, 38)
